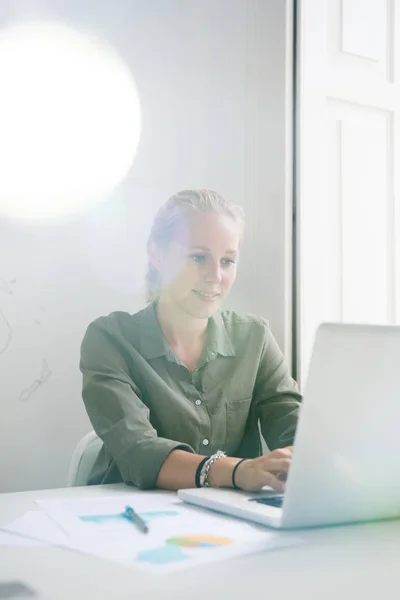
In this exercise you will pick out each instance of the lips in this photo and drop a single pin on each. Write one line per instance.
(206, 295)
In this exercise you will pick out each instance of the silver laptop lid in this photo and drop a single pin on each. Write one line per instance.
(346, 461)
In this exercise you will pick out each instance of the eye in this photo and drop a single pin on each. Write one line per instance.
(198, 257)
(228, 262)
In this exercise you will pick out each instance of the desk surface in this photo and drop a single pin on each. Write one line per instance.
(360, 562)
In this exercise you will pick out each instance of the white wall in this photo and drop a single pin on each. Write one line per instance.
(213, 79)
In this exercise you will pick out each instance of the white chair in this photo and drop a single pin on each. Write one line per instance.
(83, 459)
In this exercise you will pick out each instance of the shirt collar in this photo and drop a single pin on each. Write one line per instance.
(219, 341)
(154, 345)
(152, 341)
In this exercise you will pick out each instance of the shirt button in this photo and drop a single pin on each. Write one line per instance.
(206, 442)
(198, 402)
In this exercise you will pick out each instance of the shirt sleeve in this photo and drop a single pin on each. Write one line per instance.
(118, 415)
(276, 395)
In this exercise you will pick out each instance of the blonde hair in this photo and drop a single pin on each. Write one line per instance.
(169, 218)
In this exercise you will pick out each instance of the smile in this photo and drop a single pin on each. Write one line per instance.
(206, 295)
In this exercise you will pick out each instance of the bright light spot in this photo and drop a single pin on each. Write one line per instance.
(69, 120)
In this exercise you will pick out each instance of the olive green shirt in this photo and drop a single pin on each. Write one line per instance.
(143, 402)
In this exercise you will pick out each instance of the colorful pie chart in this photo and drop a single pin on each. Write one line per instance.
(199, 541)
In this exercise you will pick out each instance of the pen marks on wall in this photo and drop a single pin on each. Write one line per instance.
(5, 326)
(38, 318)
(5, 333)
(6, 336)
(45, 373)
(6, 286)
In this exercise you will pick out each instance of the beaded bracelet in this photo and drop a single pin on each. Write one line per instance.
(207, 465)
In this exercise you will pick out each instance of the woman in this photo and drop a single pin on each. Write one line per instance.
(176, 391)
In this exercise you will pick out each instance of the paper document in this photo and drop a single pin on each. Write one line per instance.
(15, 539)
(37, 528)
(179, 535)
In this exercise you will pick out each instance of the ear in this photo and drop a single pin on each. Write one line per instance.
(154, 254)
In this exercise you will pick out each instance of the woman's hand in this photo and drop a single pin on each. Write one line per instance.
(272, 469)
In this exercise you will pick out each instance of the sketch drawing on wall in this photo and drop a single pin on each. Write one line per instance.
(43, 377)
(5, 326)
(6, 334)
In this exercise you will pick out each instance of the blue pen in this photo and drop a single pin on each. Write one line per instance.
(134, 517)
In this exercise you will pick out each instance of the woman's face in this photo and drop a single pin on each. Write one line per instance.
(198, 268)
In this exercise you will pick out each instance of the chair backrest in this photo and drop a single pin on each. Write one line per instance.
(83, 459)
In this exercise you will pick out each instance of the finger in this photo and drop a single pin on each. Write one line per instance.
(281, 452)
(274, 482)
(276, 465)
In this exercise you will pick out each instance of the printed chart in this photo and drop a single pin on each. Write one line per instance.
(179, 535)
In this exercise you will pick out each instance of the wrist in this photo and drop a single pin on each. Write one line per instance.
(235, 468)
(220, 474)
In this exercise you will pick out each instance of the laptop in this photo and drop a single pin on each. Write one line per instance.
(346, 455)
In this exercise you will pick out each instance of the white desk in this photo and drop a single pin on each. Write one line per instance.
(360, 562)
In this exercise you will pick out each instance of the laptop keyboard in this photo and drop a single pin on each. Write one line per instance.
(270, 501)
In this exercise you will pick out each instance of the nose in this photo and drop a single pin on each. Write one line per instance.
(213, 272)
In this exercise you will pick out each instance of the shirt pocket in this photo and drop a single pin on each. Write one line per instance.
(237, 413)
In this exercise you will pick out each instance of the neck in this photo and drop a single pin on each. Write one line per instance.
(179, 328)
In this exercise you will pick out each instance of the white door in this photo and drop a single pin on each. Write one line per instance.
(348, 158)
